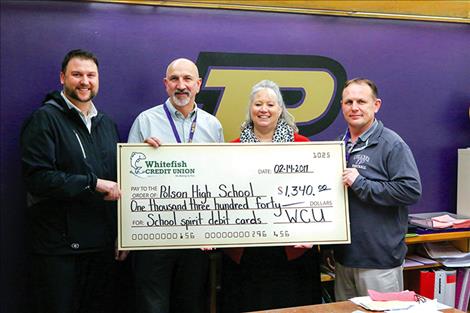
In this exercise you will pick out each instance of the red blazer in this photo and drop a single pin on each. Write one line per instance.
(292, 253)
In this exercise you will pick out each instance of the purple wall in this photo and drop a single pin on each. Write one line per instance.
(422, 70)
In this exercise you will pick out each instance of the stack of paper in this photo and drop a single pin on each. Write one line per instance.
(416, 260)
(445, 221)
(447, 254)
(429, 306)
(439, 221)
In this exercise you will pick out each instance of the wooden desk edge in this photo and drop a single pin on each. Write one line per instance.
(336, 307)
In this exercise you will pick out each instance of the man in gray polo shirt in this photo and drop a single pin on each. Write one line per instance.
(382, 180)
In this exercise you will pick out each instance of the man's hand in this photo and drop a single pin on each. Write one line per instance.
(328, 259)
(153, 141)
(349, 176)
(121, 255)
(109, 188)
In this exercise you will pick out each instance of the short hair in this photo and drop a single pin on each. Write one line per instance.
(78, 53)
(285, 115)
(361, 80)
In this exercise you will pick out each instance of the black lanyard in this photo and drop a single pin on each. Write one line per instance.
(349, 146)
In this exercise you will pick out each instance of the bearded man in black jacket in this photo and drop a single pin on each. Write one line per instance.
(69, 167)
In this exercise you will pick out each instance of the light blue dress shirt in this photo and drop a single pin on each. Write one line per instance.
(154, 123)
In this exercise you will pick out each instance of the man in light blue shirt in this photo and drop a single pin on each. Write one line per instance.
(174, 280)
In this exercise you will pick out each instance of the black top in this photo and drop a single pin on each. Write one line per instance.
(61, 162)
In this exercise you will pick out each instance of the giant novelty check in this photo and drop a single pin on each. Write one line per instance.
(230, 195)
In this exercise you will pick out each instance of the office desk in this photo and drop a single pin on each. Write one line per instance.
(335, 307)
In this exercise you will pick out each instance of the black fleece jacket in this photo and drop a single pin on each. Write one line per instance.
(61, 162)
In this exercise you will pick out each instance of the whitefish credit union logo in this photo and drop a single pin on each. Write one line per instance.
(141, 166)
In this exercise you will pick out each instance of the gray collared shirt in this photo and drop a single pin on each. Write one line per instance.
(363, 138)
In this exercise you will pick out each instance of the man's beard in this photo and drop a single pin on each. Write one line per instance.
(73, 94)
(181, 102)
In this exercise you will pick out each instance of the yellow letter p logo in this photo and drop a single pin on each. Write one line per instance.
(309, 85)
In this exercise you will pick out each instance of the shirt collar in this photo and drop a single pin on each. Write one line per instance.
(369, 132)
(177, 114)
(92, 113)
